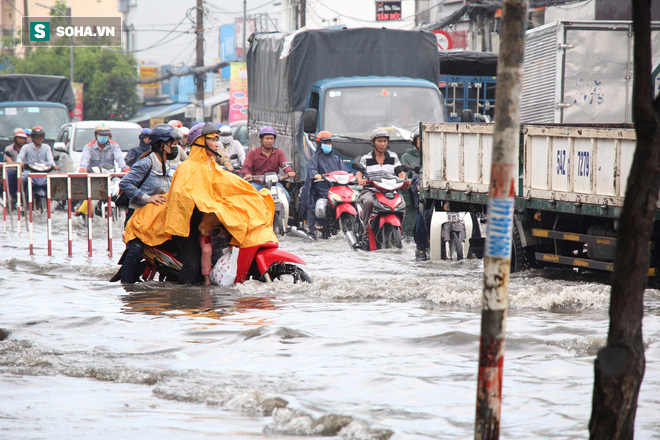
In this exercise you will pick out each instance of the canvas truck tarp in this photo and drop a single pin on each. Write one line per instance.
(467, 62)
(37, 88)
(283, 67)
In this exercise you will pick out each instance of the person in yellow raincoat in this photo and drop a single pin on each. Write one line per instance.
(201, 186)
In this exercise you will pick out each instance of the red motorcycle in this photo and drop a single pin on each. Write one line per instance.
(339, 208)
(383, 228)
(264, 262)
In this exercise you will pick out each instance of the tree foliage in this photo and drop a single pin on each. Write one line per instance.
(96, 67)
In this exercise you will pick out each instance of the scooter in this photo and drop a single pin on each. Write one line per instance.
(264, 262)
(339, 208)
(382, 229)
(281, 218)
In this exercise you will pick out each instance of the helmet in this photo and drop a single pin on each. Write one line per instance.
(145, 131)
(175, 123)
(324, 136)
(267, 130)
(184, 130)
(161, 132)
(16, 130)
(20, 133)
(38, 131)
(414, 135)
(210, 128)
(195, 132)
(379, 133)
(225, 130)
(102, 128)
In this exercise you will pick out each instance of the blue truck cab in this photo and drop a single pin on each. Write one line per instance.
(27, 114)
(352, 107)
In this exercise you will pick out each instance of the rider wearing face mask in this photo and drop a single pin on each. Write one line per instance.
(323, 161)
(102, 151)
(200, 186)
(147, 182)
(231, 146)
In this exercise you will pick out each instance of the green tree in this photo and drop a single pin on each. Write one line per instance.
(97, 68)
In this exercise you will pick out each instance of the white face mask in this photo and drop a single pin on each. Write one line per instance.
(226, 139)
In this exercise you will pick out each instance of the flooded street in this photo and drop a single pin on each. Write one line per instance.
(378, 347)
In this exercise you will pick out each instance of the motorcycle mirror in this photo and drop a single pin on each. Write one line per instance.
(233, 156)
(357, 166)
(416, 169)
(400, 168)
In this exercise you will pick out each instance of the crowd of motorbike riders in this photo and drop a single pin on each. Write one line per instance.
(150, 180)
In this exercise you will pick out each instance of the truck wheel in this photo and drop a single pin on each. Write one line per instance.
(457, 243)
(518, 258)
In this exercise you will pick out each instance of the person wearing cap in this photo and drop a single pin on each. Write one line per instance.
(230, 145)
(11, 155)
(135, 153)
(266, 159)
(102, 151)
(379, 163)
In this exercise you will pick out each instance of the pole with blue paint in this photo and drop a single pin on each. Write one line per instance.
(497, 253)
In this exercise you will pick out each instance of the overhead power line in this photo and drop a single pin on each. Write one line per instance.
(168, 75)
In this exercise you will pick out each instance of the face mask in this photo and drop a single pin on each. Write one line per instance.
(225, 139)
(327, 148)
(102, 139)
(173, 154)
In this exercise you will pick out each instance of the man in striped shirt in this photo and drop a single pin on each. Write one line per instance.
(379, 163)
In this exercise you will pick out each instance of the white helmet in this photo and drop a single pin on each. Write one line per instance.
(225, 130)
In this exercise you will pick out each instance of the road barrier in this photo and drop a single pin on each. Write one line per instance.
(6, 196)
(67, 187)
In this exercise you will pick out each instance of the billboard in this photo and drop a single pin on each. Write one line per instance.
(238, 89)
(227, 47)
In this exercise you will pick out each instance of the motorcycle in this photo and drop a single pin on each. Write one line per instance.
(382, 229)
(39, 184)
(100, 207)
(265, 262)
(339, 208)
(281, 218)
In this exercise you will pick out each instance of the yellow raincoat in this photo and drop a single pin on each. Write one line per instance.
(200, 182)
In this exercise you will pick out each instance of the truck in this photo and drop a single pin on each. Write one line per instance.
(30, 100)
(346, 81)
(572, 175)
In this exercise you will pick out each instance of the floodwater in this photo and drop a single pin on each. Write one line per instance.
(379, 347)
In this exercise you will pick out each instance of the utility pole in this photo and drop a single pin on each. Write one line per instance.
(497, 253)
(25, 8)
(244, 28)
(303, 15)
(200, 77)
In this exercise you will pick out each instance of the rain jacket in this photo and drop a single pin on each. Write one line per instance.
(200, 183)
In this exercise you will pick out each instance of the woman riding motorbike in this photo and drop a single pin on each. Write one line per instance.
(199, 185)
(148, 181)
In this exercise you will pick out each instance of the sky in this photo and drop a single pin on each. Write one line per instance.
(178, 47)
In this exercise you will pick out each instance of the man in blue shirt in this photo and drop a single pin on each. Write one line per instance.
(102, 151)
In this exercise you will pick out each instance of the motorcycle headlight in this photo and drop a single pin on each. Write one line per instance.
(400, 202)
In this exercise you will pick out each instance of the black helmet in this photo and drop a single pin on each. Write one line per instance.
(37, 131)
(161, 132)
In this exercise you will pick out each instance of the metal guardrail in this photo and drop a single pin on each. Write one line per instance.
(62, 187)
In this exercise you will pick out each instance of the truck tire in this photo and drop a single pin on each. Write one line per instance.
(457, 243)
(518, 258)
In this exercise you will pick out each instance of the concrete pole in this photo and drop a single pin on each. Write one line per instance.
(497, 255)
(199, 77)
(244, 29)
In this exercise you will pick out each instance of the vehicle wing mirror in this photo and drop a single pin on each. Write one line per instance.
(399, 168)
(59, 146)
(310, 117)
(233, 156)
